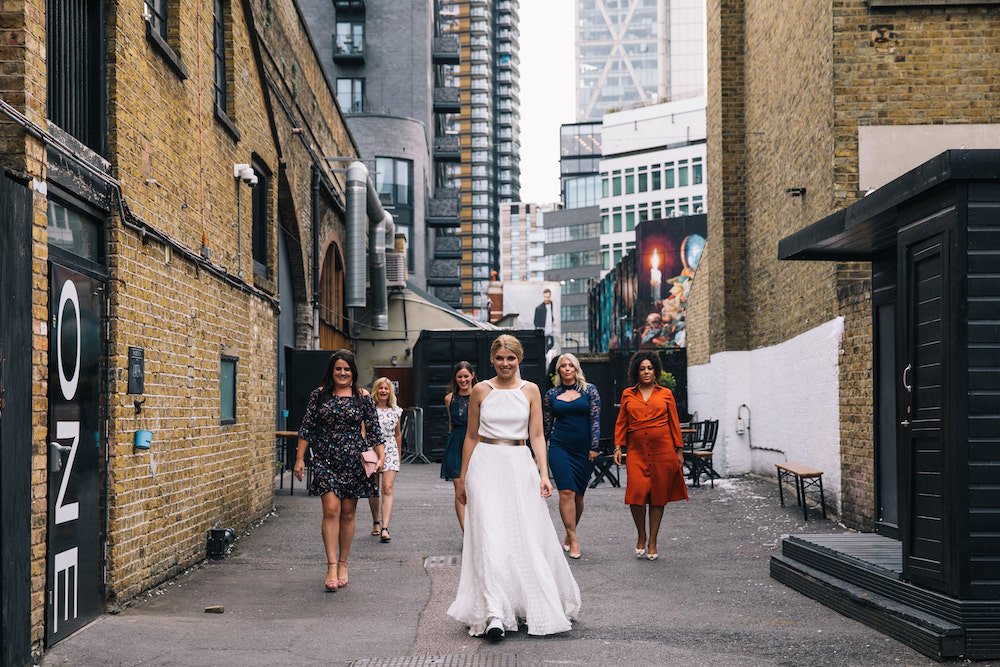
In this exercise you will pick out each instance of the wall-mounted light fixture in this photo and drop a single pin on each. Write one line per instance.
(796, 192)
(394, 361)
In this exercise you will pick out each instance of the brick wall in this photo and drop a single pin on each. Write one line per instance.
(696, 312)
(786, 99)
(175, 160)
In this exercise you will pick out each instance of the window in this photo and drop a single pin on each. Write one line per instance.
(606, 223)
(604, 187)
(696, 175)
(682, 175)
(349, 38)
(227, 390)
(260, 220)
(219, 53)
(668, 175)
(75, 55)
(629, 218)
(156, 12)
(75, 232)
(629, 182)
(392, 180)
(351, 95)
(574, 286)
(617, 217)
(643, 180)
(616, 183)
(573, 313)
(655, 177)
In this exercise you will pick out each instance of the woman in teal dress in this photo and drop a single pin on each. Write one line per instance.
(572, 415)
(456, 402)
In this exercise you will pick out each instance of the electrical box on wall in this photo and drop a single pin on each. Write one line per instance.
(136, 370)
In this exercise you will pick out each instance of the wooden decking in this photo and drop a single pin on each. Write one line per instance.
(870, 549)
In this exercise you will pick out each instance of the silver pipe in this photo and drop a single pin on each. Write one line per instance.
(363, 205)
(357, 185)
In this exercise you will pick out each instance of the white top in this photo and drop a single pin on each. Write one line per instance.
(503, 414)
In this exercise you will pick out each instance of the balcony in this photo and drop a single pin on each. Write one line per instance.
(447, 247)
(442, 209)
(447, 100)
(347, 52)
(349, 6)
(446, 148)
(445, 50)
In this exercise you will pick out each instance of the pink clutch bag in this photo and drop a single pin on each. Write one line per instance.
(369, 459)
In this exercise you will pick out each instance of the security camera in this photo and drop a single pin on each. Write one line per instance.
(245, 173)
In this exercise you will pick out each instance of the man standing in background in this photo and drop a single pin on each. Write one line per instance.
(545, 318)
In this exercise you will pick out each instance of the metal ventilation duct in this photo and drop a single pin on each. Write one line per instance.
(367, 223)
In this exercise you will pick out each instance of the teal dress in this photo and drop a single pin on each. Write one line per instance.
(451, 464)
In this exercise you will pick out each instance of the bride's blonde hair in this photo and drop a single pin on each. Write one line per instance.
(507, 342)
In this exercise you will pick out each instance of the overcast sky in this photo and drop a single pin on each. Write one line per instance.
(547, 93)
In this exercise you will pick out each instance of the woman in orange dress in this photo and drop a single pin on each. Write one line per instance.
(647, 422)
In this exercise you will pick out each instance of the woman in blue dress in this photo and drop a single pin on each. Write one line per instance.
(456, 403)
(572, 415)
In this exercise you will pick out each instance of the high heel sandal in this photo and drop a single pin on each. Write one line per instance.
(652, 556)
(330, 584)
(342, 583)
(384, 535)
(375, 528)
(639, 553)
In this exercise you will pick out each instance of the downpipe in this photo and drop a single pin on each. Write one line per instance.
(369, 226)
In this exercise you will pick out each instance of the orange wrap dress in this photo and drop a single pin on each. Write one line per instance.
(652, 432)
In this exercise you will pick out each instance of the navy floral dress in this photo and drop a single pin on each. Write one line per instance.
(333, 431)
(458, 410)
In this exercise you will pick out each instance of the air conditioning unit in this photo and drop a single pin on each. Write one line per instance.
(395, 269)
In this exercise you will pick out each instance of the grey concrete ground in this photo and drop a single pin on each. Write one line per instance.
(708, 600)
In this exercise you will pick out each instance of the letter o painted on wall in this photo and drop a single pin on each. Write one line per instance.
(68, 294)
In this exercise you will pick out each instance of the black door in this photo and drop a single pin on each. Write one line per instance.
(926, 451)
(74, 578)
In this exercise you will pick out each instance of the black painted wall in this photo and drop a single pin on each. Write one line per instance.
(15, 423)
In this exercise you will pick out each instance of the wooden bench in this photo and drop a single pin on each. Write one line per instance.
(804, 478)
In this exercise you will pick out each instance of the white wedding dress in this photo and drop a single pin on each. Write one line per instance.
(513, 566)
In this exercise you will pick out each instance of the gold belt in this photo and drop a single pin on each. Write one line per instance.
(501, 441)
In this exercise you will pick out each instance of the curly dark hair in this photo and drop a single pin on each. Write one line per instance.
(638, 358)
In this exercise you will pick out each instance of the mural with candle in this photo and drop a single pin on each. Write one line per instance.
(668, 253)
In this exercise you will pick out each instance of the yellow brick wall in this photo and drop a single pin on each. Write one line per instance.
(175, 161)
(786, 98)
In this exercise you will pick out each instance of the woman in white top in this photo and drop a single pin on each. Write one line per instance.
(384, 395)
(513, 566)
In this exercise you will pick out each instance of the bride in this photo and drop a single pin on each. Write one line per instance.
(513, 566)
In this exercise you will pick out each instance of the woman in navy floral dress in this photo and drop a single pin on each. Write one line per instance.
(456, 403)
(331, 428)
(571, 413)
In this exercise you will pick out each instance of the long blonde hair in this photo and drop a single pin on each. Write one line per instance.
(391, 401)
(581, 379)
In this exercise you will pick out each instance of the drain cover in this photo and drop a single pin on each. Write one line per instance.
(502, 660)
(443, 561)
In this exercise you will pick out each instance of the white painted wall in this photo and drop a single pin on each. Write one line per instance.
(792, 391)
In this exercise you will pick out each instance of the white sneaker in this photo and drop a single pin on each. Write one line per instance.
(494, 630)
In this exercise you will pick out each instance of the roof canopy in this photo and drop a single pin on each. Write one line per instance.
(868, 227)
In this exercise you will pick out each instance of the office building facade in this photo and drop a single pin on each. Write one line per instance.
(653, 168)
(573, 259)
(637, 52)
(522, 240)
(430, 91)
